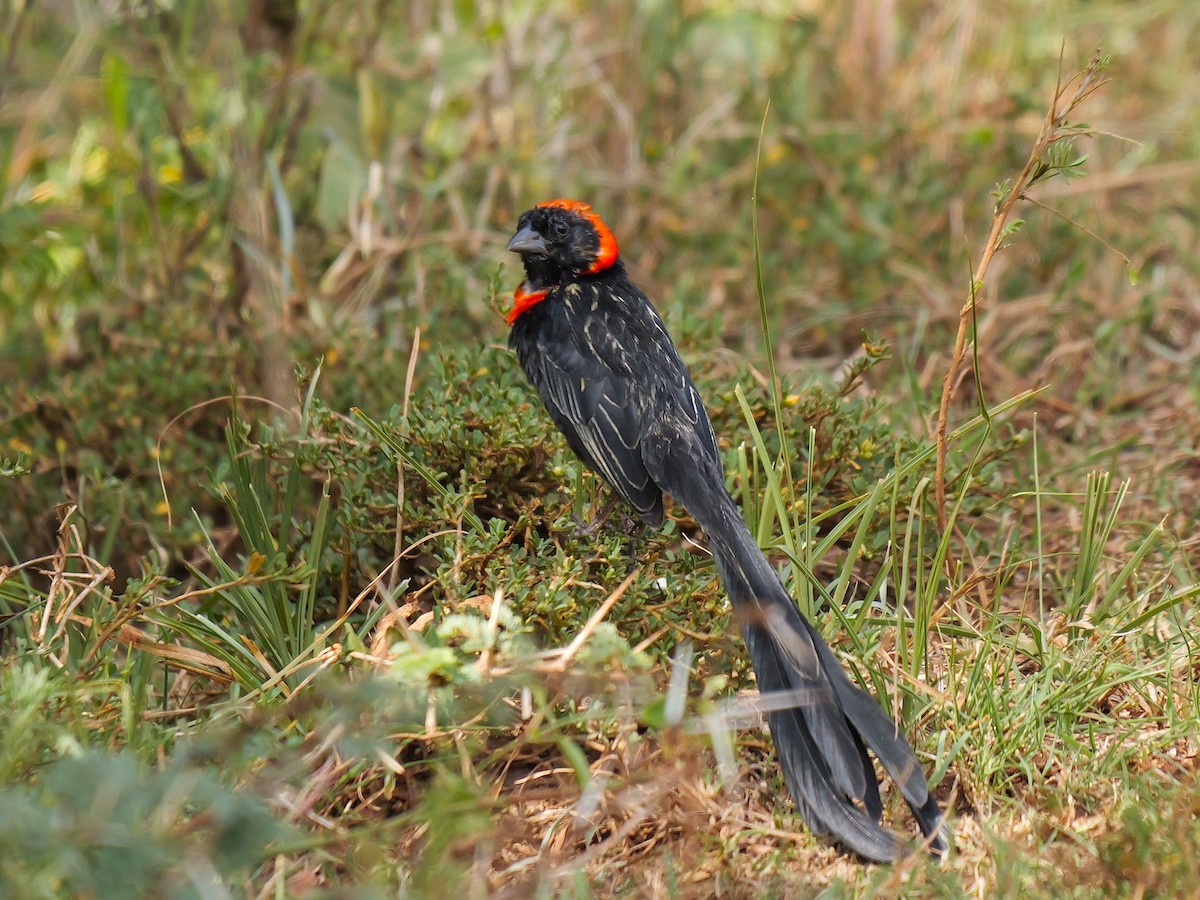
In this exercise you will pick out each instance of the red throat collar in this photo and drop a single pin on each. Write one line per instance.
(524, 300)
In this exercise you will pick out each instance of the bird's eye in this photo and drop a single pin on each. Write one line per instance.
(560, 227)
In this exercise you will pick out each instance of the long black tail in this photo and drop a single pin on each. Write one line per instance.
(822, 724)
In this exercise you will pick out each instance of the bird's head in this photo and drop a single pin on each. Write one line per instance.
(562, 239)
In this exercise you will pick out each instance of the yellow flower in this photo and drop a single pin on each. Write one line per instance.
(170, 173)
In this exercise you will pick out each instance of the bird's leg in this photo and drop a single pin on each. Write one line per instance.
(591, 529)
(639, 538)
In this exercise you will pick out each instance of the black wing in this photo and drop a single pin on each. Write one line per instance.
(643, 325)
(608, 374)
(593, 408)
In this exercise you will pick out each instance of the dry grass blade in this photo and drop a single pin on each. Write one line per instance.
(567, 655)
(185, 658)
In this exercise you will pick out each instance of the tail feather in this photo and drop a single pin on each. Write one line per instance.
(805, 760)
(823, 731)
(824, 724)
(781, 653)
(884, 737)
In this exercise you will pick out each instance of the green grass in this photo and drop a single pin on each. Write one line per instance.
(292, 584)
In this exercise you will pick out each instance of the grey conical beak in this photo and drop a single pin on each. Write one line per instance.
(528, 242)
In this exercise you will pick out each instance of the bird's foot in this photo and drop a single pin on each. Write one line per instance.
(594, 527)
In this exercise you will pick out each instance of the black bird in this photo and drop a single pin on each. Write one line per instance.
(612, 381)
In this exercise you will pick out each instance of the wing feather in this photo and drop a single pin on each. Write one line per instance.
(589, 403)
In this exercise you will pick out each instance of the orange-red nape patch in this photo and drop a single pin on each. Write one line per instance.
(523, 301)
(606, 255)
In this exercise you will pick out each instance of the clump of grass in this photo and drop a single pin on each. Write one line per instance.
(381, 655)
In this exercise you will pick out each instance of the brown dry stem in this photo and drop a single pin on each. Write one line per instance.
(1055, 127)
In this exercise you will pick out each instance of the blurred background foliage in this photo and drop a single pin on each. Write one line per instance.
(274, 184)
(290, 208)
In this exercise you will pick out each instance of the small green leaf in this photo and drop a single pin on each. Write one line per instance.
(654, 714)
(576, 759)
(116, 90)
